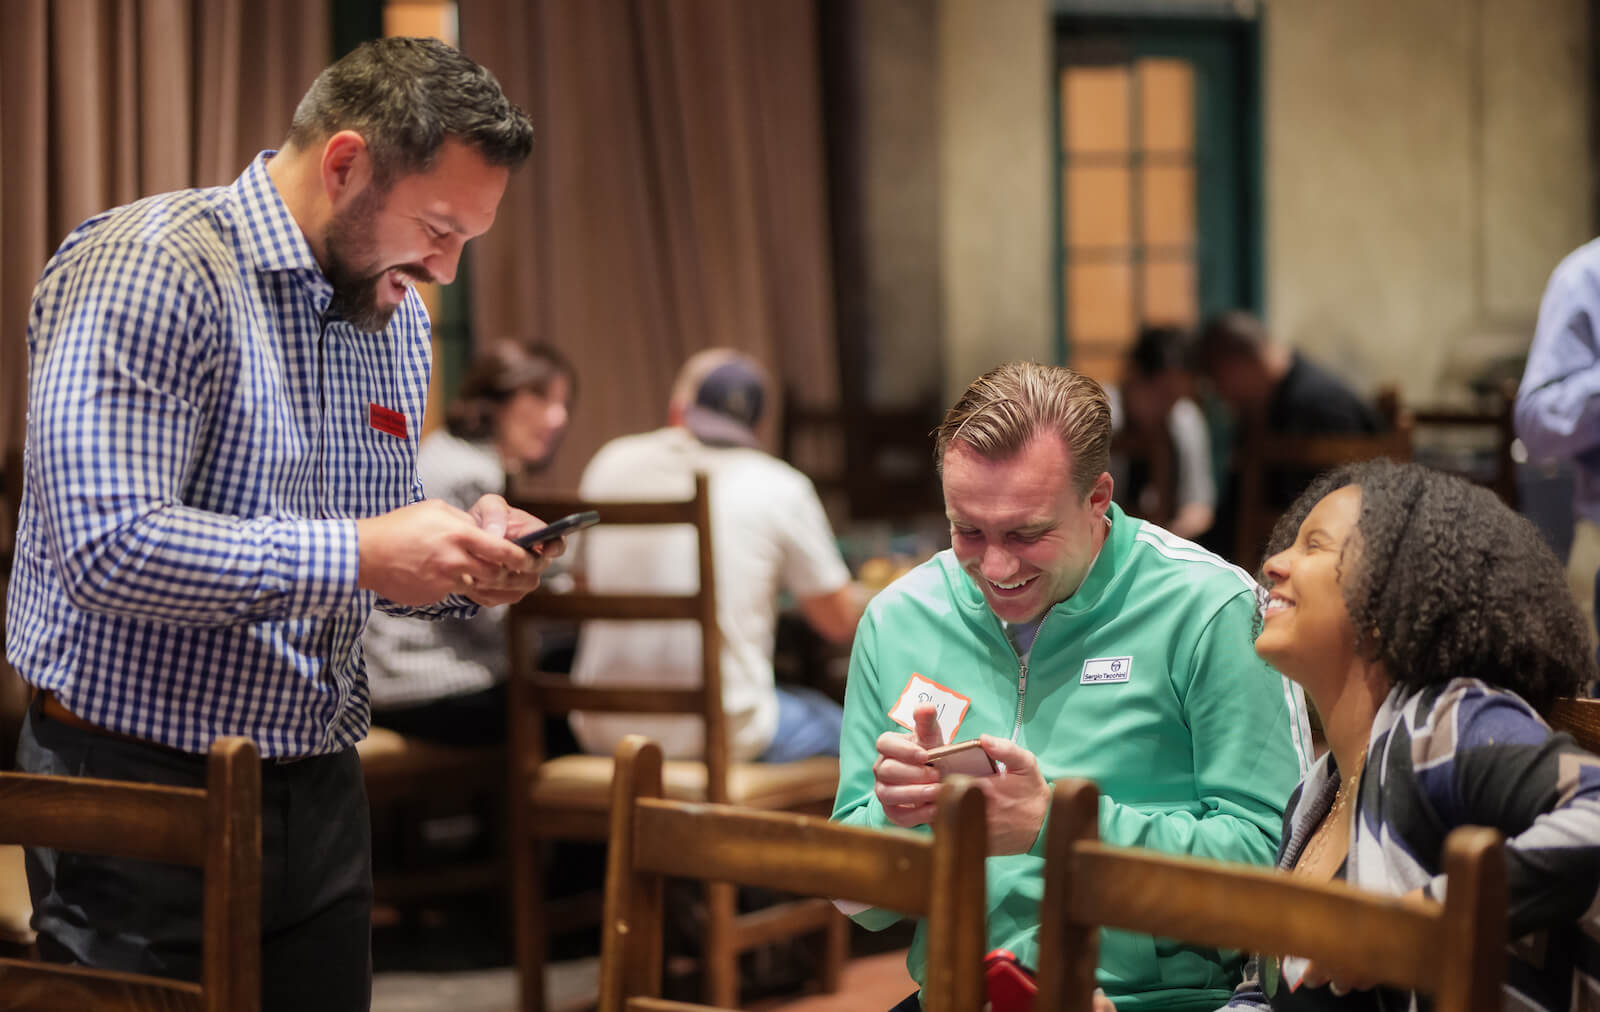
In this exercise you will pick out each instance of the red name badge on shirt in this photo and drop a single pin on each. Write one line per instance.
(386, 420)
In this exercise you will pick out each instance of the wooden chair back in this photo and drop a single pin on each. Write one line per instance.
(879, 459)
(569, 797)
(940, 877)
(1263, 455)
(1161, 475)
(1579, 718)
(217, 829)
(1493, 424)
(1456, 951)
(535, 693)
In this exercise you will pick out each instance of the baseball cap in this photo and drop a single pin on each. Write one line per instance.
(727, 405)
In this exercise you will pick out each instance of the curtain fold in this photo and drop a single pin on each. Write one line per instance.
(675, 199)
(103, 103)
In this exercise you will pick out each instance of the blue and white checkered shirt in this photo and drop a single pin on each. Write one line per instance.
(200, 442)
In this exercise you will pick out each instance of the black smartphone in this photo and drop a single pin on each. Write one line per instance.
(561, 528)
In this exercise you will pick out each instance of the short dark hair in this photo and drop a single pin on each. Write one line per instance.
(1230, 334)
(501, 370)
(1006, 407)
(405, 97)
(1446, 581)
(1160, 349)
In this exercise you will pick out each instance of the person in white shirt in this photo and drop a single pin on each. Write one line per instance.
(769, 534)
(445, 681)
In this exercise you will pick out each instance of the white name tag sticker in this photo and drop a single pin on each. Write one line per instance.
(950, 705)
(1101, 670)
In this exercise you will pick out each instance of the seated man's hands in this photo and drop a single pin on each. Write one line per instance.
(1018, 797)
(905, 785)
(424, 552)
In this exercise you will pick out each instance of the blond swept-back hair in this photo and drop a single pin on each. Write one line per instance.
(1002, 410)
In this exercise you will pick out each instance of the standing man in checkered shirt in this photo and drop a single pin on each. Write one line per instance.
(225, 390)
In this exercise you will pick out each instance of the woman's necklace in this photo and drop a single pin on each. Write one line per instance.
(1332, 828)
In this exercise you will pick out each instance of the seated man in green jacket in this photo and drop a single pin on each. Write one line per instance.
(1071, 640)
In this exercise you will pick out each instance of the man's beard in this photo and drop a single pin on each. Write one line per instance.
(349, 241)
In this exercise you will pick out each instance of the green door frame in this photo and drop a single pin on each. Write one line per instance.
(1226, 55)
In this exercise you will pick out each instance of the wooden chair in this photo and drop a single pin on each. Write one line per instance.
(1456, 952)
(1491, 424)
(569, 797)
(940, 877)
(879, 459)
(1263, 455)
(217, 829)
(410, 782)
(1161, 475)
(1579, 718)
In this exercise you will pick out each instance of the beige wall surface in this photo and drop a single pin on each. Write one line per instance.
(995, 185)
(1426, 167)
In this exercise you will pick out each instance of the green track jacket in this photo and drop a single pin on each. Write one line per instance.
(1145, 681)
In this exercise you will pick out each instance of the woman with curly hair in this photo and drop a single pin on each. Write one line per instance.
(1430, 626)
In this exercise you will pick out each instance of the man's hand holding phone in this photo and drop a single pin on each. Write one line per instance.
(905, 784)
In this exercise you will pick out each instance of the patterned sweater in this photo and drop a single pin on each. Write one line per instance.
(1465, 753)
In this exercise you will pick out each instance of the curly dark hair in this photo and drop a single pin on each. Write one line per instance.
(1443, 581)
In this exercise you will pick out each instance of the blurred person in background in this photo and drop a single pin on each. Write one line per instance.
(1153, 404)
(769, 534)
(1558, 407)
(445, 682)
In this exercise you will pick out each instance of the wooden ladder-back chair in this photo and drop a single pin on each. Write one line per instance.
(1264, 454)
(1579, 718)
(939, 877)
(217, 829)
(1456, 951)
(410, 781)
(569, 797)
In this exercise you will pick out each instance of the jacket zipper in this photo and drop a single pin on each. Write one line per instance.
(1022, 674)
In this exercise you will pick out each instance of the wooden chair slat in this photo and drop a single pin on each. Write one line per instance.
(105, 817)
(1579, 718)
(557, 696)
(1455, 951)
(790, 853)
(29, 985)
(1237, 907)
(631, 607)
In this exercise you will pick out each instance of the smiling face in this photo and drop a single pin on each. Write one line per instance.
(380, 242)
(530, 424)
(1307, 629)
(1018, 526)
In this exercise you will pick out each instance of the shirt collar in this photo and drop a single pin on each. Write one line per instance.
(278, 244)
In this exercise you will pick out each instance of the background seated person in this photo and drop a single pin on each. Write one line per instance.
(769, 533)
(1153, 404)
(1430, 625)
(1276, 389)
(1071, 640)
(445, 681)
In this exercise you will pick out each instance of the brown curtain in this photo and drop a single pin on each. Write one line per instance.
(105, 101)
(675, 199)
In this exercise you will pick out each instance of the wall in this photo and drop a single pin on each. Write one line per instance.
(1427, 164)
(995, 189)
